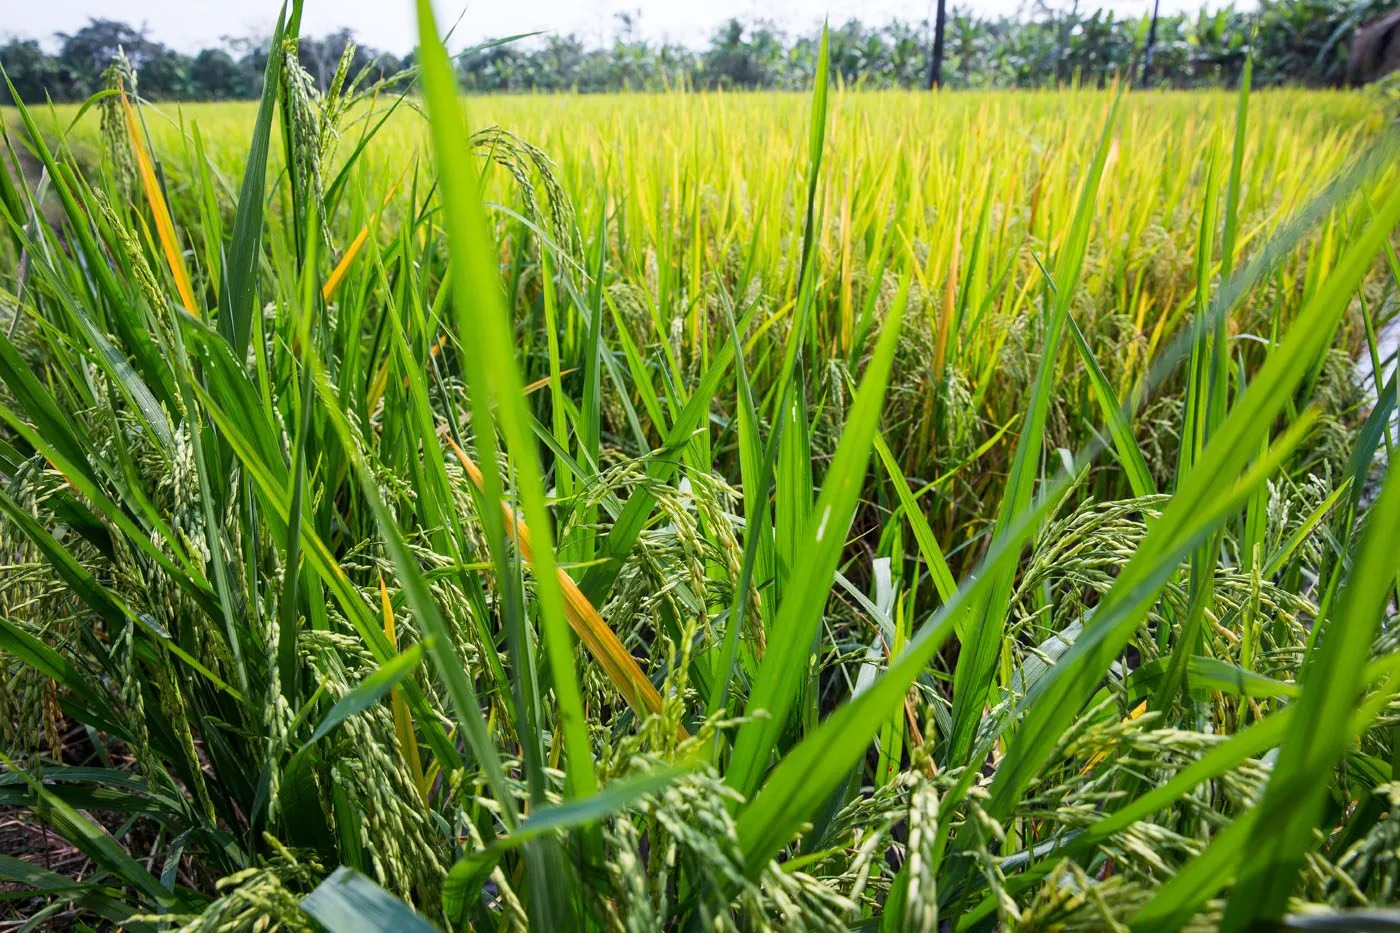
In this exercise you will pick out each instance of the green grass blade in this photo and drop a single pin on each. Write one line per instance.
(812, 770)
(94, 841)
(1230, 234)
(784, 667)
(441, 645)
(493, 373)
(1293, 800)
(977, 658)
(347, 900)
(239, 292)
(1072, 678)
(464, 881)
(1130, 456)
(368, 691)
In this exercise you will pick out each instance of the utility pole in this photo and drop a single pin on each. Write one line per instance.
(935, 68)
(1151, 40)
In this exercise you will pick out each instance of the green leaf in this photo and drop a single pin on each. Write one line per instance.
(598, 581)
(1298, 785)
(86, 896)
(1230, 234)
(368, 691)
(98, 598)
(1368, 440)
(1116, 417)
(492, 374)
(94, 841)
(239, 302)
(1204, 499)
(348, 902)
(756, 477)
(811, 771)
(274, 497)
(973, 678)
(463, 883)
(440, 644)
(1177, 900)
(85, 702)
(923, 534)
(784, 668)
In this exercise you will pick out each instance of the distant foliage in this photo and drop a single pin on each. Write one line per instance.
(1294, 42)
(235, 73)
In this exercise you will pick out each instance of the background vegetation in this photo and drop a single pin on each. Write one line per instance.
(879, 510)
(1292, 42)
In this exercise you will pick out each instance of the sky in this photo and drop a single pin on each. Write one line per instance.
(189, 25)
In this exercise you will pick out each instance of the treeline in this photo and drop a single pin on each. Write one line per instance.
(235, 72)
(1292, 41)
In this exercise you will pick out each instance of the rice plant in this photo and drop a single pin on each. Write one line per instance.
(848, 510)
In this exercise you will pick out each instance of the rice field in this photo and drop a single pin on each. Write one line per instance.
(843, 510)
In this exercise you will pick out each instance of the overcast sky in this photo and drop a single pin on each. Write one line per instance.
(388, 24)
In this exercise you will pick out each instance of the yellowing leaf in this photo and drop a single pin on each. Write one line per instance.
(403, 718)
(343, 267)
(165, 229)
(1100, 756)
(595, 634)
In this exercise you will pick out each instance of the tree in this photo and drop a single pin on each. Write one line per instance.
(87, 52)
(905, 54)
(34, 74)
(164, 74)
(251, 54)
(215, 75)
(733, 61)
(1291, 41)
(320, 57)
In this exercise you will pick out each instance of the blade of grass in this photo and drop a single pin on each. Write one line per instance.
(973, 677)
(1293, 800)
(784, 666)
(1117, 418)
(238, 296)
(492, 372)
(347, 900)
(1074, 676)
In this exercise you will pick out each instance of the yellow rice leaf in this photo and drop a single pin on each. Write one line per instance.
(544, 381)
(595, 634)
(341, 268)
(403, 718)
(1100, 756)
(165, 229)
